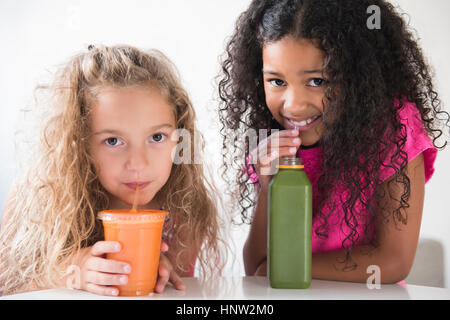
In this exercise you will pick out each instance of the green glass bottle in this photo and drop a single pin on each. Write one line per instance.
(289, 226)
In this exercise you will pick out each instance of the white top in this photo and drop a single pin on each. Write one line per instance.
(258, 288)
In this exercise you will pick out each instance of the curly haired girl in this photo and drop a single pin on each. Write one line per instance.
(357, 104)
(108, 129)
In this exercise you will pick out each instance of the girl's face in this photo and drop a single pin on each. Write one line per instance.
(131, 145)
(294, 86)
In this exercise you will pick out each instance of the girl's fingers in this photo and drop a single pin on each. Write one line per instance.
(176, 281)
(102, 247)
(267, 167)
(283, 134)
(163, 278)
(107, 265)
(262, 269)
(285, 142)
(106, 279)
(164, 246)
(287, 152)
(269, 158)
(275, 144)
(102, 290)
(275, 141)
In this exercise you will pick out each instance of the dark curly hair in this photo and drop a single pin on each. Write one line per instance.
(367, 70)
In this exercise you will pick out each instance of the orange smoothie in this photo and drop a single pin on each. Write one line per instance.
(139, 234)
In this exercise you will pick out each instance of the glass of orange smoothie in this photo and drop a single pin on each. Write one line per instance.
(139, 234)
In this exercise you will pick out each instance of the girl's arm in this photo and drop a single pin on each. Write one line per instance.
(255, 247)
(397, 242)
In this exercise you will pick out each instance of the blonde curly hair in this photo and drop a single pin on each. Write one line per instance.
(52, 212)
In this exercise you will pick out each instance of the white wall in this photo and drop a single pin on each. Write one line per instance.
(430, 20)
(38, 35)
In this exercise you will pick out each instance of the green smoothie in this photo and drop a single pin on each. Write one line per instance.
(289, 227)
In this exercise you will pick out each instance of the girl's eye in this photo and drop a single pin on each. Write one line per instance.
(113, 142)
(316, 82)
(277, 82)
(159, 137)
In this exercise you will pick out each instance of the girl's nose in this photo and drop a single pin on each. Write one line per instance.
(295, 100)
(137, 159)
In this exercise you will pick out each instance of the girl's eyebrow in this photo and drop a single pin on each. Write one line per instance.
(160, 126)
(301, 72)
(311, 71)
(273, 73)
(118, 132)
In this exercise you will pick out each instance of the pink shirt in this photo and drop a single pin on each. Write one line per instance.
(417, 142)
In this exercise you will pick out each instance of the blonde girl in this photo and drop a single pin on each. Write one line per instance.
(110, 125)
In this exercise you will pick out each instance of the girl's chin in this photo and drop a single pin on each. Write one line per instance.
(309, 141)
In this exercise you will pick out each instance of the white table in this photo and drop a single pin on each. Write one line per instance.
(257, 288)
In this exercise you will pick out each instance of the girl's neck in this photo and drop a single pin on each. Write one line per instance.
(310, 146)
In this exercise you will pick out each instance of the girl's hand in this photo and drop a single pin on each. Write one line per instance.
(167, 273)
(100, 275)
(283, 143)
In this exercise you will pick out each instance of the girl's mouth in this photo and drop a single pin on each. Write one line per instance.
(134, 185)
(302, 125)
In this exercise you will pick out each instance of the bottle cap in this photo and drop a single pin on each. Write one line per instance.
(290, 163)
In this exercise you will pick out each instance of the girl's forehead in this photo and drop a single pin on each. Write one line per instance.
(123, 97)
(295, 52)
(137, 106)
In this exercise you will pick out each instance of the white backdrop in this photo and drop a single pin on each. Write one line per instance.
(39, 35)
